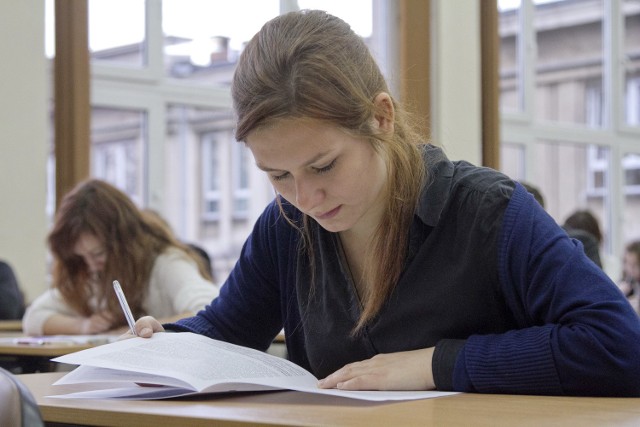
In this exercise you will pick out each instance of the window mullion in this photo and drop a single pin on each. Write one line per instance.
(527, 61)
(613, 31)
(155, 39)
(613, 109)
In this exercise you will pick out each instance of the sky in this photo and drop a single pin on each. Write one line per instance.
(119, 22)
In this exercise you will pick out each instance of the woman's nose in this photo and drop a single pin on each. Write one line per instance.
(308, 194)
(92, 264)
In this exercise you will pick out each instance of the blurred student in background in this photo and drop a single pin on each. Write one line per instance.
(586, 221)
(583, 219)
(630, 283)
(154, 216)
(11, 298)
(590, 242)
(99, 236)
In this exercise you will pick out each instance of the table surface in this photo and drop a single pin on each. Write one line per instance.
(304, 409)
(17, 344)
(11, 325)
(44, 350)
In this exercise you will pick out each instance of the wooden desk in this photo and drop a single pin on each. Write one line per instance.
(11, 325)
(28, 358)
(302, 409)
(45, 350)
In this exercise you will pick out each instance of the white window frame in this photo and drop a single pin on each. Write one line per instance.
(615, 134)
(211, 166)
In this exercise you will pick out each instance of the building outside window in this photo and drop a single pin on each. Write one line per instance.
(569, 108)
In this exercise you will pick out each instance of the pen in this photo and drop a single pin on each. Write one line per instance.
(125, 306)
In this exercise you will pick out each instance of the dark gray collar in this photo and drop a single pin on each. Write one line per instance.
(437, 189)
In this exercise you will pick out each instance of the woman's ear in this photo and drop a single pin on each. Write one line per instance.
(383, 119)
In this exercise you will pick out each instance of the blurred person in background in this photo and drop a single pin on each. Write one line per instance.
(98, 236)
(11, 297)
(630, 283)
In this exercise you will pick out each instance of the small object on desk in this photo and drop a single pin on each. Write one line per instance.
(90, 340)
(41, 341)
(125, 306)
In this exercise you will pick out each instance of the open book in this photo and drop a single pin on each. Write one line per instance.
(181, 364)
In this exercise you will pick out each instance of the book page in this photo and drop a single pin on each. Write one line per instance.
(152, 393)
(186, 363)
(199, 362)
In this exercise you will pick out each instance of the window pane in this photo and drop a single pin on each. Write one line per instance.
(569, 62)
(210, 188)
(203, 38)
(240, 173)
(631, 211)
(512, 160)
(510, 58)
(195, 148)
(574, 176)
(118, 143)
(49, 29)
(631, 11)
(117, 32)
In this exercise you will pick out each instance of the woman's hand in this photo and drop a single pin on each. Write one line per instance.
(96, 323)
(407, 370)
(147, 325)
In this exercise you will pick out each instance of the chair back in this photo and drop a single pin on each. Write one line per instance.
(18, 408)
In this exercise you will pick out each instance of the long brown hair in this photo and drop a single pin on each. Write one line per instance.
(131, 240)
(310, 64)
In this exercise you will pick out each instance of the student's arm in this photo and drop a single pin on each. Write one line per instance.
(248, 311)
(49, 315)
(577, 336)
(60, 324)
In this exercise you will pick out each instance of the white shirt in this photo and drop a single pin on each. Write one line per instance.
(175, 287)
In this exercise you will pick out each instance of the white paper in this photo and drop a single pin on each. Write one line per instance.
(186, 363)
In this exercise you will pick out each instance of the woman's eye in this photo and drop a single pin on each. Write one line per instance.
(280, 177)
(327, 168)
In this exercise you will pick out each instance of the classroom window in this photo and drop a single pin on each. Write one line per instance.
(510, 60)
(632, 101)
(203, 38)
(513, 160)
(118, 140)
(117, 32)
(240, 172)
(211, 178)
(631, 60)
(569, 101)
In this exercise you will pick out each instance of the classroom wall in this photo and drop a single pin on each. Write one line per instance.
(23, 144)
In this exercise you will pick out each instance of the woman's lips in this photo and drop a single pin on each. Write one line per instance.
(330, 214)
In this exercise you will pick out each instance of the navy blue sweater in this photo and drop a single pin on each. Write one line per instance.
(510, 302)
